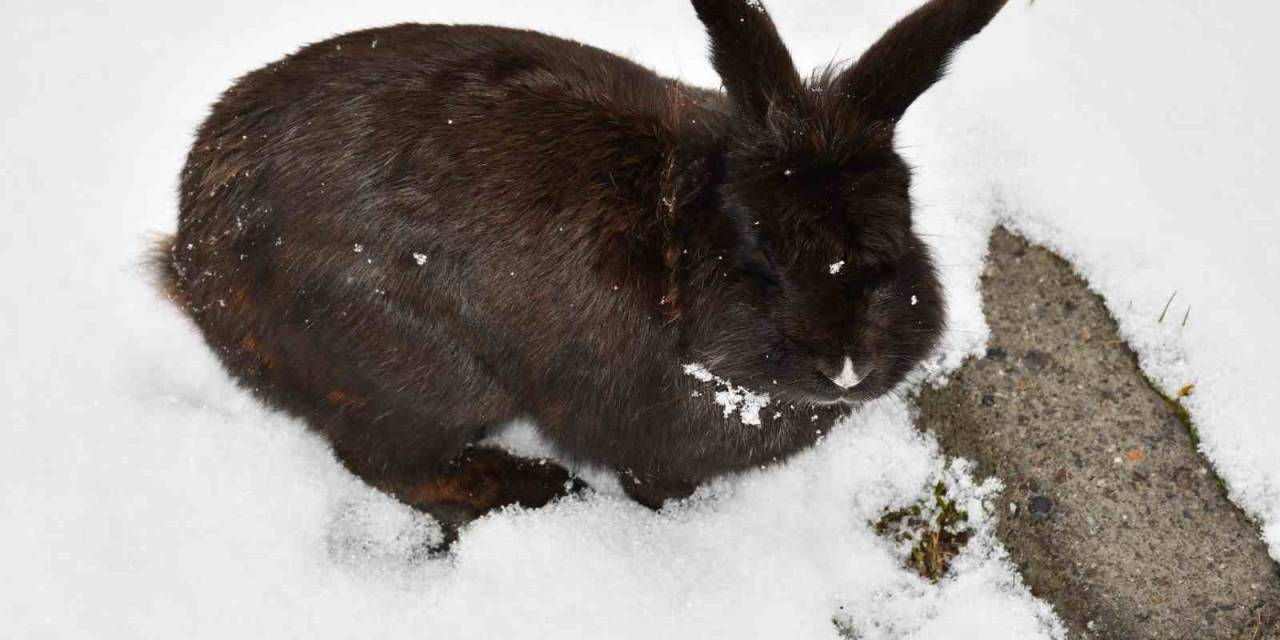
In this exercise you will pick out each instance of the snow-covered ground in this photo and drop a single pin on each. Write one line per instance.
(143, 495)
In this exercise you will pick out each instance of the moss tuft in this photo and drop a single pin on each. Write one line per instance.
(935, 529)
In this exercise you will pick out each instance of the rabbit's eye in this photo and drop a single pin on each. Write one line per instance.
(769, 255)
(868, 280)
(764, 247)
(761, 273)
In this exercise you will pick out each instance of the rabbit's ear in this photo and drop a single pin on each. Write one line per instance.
(912, 56)
(749, 56)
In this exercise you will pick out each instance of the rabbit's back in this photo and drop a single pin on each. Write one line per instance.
(433, 229)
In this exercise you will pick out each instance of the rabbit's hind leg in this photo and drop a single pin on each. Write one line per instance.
(480, 480)
(653, 492)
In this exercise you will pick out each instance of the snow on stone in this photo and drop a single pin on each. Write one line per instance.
(746, 403)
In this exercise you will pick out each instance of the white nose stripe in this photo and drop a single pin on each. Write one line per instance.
(848, 378)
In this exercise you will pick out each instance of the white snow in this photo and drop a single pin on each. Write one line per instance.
(1152, 169)
(420, 258)
(144, 495)
(741, 400)
(836, 266)
(699, 372)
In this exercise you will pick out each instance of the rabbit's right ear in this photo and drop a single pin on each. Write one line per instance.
(747, 52)
(912, 56)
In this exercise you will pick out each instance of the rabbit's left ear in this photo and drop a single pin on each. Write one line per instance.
(912, 56)
(748, 54)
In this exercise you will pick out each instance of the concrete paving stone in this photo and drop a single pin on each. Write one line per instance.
(1109, 511)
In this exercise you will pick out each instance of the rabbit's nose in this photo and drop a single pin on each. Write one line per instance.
(848, 377)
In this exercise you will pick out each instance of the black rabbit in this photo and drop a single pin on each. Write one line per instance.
(412, 234)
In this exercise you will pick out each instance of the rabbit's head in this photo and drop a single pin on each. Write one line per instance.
(849, 296)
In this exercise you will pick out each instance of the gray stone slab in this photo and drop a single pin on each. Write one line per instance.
(1109, 511)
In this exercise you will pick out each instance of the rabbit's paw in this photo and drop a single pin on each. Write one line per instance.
(483, 479)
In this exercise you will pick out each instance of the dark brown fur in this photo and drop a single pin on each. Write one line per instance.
(585, 228)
